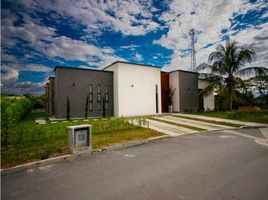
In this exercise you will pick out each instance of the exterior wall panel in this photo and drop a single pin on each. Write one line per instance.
(136, 89)
(188, 86)
(164, 91)
(209, 102)
(174, 84)
(75, 83)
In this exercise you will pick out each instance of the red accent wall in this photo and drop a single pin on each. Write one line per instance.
(164, 90)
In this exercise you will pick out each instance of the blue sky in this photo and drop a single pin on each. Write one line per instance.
(38, 35)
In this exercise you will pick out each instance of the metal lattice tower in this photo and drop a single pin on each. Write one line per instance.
(193, 52)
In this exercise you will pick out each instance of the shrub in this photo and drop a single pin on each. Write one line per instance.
(244, 114)
(68, 109)
(103, 107)
(86, 108)
(12, 111)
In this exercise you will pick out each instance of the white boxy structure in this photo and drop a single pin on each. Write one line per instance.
(137, 89)
(208, 100)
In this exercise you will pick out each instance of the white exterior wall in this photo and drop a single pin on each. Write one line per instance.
(114, 68)
(174, 84)
(209, 102)
(134, 89)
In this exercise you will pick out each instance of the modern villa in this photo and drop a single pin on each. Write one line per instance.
(123, 89)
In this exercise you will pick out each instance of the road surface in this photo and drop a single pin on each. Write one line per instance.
(210, 166)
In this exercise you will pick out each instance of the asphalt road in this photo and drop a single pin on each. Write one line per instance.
(212, 166)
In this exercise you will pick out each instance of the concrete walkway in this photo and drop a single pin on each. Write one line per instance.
(204, 125)
(221, 119)
(169, 129)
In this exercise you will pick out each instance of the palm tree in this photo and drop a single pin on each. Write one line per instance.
(226, 69)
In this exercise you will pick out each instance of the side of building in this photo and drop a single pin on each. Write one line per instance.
(137, 89)
(123, 89)
(185, 86)
(80, 85)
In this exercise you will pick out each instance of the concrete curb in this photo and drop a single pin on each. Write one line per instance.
(39, 163)
(24, 167)
(263, 142)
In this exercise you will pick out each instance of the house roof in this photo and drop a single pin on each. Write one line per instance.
(131, 64)
(178, 70)
(76, 68)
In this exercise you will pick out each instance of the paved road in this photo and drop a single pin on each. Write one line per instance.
(197, 166)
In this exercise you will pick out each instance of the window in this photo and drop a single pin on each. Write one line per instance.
(90, 97)
(99, 97)
(106, 98)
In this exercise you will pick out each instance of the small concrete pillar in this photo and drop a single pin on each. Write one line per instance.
(79, 138)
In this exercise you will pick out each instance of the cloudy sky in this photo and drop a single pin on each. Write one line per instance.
(37, 35)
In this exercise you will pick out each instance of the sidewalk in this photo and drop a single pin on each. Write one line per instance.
(204, 125)
(221, 120)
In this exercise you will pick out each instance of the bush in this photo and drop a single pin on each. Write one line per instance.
(12, 111)
(244, 114)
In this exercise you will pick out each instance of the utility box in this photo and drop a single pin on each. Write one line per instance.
(79, 138)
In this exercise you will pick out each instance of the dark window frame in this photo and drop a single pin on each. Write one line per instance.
(99, 97)
(90, 97)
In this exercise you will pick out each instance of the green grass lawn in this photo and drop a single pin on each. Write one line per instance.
(260, 116)
(31, 142)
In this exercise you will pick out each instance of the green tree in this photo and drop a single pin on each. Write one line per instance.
(103, 107)
(226, 69)
(86, 108)
(68, 109)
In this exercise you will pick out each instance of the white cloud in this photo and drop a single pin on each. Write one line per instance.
(8, 75)
(138, 57)
(131, 47)
(46, 41)
(128, 17)
(208, 18)
(25, 87)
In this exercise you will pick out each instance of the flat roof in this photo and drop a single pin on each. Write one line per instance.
(178, 70)
(76, 68)
(125, 62)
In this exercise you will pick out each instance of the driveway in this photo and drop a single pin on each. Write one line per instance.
(215, 165)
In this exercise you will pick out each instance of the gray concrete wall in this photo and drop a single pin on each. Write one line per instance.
(188, 84)
(74, 83)
(174, 84)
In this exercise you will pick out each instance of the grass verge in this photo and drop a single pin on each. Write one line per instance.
(118, 137)
(32, 142)
(178, 124)
(209, 121)
(259, 116)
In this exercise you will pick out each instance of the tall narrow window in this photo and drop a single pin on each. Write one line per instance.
(106, 98)
(90, 97)
(156, 97)
(99, 97)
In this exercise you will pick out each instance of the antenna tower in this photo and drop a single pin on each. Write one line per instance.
(193, 52)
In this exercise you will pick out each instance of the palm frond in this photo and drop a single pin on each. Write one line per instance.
(214, 83)
(240, 83)
(252, 72)
(245, 55)
(203, 67)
